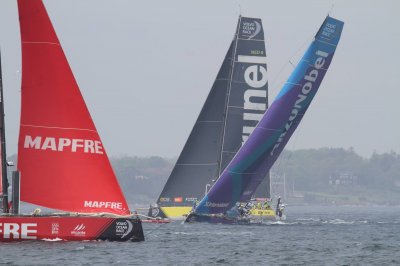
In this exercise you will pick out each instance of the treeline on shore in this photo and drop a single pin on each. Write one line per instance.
(312, 176)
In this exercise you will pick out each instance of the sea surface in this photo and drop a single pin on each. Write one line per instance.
(311, 235)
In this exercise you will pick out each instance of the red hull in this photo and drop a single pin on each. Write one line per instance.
(18, 228)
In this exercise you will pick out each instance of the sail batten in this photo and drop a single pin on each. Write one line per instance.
(247, 170)
(61, 158)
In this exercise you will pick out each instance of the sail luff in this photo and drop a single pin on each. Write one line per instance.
(245, 172)
(235, 42)
(62, 161)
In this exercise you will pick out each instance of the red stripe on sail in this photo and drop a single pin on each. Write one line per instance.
(62, 161)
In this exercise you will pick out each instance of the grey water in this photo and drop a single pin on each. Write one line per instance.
(311, 235)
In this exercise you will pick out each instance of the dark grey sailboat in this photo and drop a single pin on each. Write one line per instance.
(235, 104)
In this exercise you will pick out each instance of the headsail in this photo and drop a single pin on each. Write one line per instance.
(61, 158)
(229, 114)
(247, 169)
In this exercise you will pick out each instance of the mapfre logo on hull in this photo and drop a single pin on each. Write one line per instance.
(18, 231)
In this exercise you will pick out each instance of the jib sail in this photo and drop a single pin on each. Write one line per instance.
(61, 158)
(245, 172)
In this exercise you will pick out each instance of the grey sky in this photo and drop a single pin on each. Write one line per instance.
(146, 67)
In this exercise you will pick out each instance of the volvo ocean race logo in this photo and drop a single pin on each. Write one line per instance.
(250, 30)
(21, 231)
(79, 230)
(124, 228)
(63, 144)
(310, 78)
(55, 228)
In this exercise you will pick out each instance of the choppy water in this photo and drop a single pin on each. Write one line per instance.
(310, 236)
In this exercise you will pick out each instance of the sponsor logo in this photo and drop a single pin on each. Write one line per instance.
(55, 228)
(18, 231)
(310, 78)
(178, 199)
(79, 230)
(63, 144)
(123, 228)
(329, 30)
(191, 199)
(250, 29)
(103, 204)
(255, 96)
(165, 199)
(217, 205)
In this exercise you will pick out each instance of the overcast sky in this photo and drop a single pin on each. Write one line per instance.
(145, 67)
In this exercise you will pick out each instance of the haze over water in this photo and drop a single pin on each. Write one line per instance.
(312, 235)
(145, 68)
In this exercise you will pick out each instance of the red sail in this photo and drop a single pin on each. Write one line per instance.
(61, 158)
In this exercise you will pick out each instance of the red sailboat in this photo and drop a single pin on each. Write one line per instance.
(61, 159)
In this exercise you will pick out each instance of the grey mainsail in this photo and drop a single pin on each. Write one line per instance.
(237, 100)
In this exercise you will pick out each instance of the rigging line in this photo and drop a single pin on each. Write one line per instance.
(155, 229)
(330, 10)
(151, 218)
(240, 8)
(289, 61)
(228, 93)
